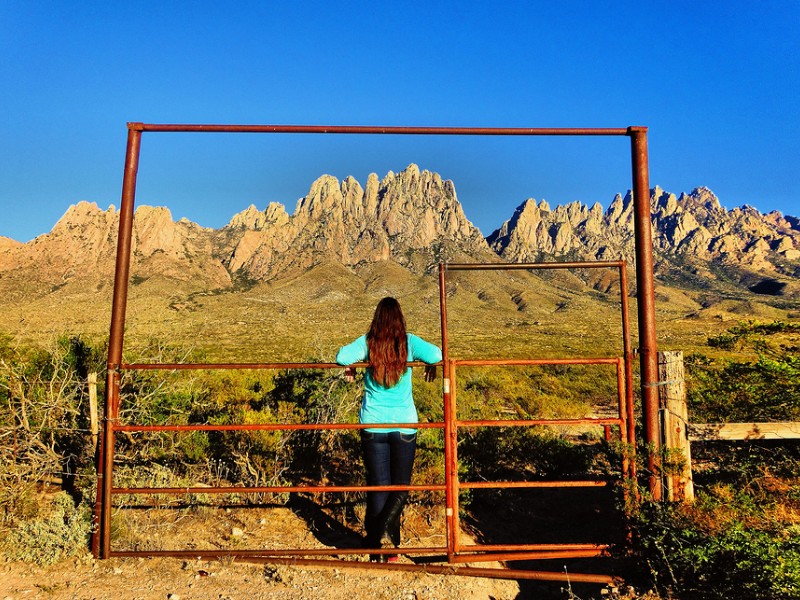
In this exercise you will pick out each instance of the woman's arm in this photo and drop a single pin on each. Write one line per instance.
(355, 351)
(419, 349)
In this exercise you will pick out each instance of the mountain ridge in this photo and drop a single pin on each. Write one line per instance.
(692, 231)
(413, 218)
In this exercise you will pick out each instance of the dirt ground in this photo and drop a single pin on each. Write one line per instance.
(301, 526)
(175, 579)
(226, 579)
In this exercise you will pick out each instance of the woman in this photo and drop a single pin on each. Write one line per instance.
(388, 451)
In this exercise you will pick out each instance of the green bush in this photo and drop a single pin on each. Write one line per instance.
(60, 530)
(520, 452)
(44, 419)
(549, 391)
(685, 557)
(764, 388)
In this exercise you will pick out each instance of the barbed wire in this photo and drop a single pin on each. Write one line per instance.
(36, 430)
(666, 382)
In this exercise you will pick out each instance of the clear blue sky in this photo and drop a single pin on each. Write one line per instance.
(716, 83)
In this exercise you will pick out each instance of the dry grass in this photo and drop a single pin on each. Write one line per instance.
(490, 313)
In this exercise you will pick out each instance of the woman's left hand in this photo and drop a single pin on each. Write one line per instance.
(430, 372)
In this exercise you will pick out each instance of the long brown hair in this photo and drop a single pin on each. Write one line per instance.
(387, 343)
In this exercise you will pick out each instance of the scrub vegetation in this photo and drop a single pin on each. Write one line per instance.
(741, 538)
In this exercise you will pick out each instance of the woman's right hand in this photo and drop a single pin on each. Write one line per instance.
(350, 374)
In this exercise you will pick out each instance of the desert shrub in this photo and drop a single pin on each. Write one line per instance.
(688, 553)
(429, 465)
(767, 389)
(428, 396)
(741, 536)
(59, 530)
(227, 390)
(744, 462)
(159, 397)
(521, 453)
(44, 424)
(550, 391)
(764, 388)
(257, 457)
(318, 397)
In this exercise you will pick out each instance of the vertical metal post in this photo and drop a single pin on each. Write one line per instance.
(112, 406)
(119, 304)
(648, 351)
(630, 418)
(621, 404)
(124, 243)
(451, 430)
(447, 373)
(628, 470)
(443, 311)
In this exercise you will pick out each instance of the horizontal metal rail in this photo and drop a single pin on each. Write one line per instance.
(560, 483)
(279, 426)
(264, 557)
(379, 130)
(531, 362)
(274, 489)
(575, 546)
(304, 551)
(346, 426)
(530, 422)
(280, 489)
(522, 555)
(599, 264)
(254, 366)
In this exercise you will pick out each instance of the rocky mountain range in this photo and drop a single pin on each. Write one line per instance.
(693, 237)
(412, 218)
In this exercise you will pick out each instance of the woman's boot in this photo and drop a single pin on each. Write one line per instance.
(389, 520)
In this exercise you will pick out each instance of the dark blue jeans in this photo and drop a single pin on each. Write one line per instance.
(389, 460)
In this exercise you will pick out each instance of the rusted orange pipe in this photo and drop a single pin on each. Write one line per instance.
(645, 290)
(379, 130)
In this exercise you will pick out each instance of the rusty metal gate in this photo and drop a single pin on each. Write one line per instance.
(453, 551)
(623, 420)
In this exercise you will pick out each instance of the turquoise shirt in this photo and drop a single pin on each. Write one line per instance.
(394, 404)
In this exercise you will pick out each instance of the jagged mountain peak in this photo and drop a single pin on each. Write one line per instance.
(249, 218)
(704, 192)
(80, 215)
(410, 212)
(691, 229)
(702, 198)
(81, 248)
(414, 219)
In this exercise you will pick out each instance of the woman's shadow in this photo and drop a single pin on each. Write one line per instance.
(326, 529)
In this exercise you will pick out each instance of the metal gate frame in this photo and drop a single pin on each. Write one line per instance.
(645, 291)
(625, 420)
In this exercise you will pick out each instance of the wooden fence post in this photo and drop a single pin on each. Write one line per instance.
(92, 381)
(674, 421)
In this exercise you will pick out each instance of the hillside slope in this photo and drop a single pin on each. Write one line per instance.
(269, 273)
